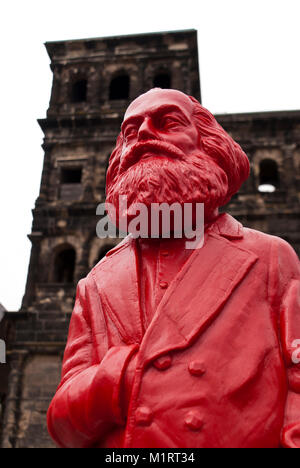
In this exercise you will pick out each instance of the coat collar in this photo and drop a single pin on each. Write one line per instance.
(228, 227)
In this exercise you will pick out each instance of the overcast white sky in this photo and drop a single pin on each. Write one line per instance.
(249, 61)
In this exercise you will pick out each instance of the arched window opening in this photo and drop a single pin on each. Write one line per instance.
(162, 80)
(79, 91)
(268, 176)
(64, 266)
(103, 251)
(119, 87)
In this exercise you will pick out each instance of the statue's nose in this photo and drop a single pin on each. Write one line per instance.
(146, 130)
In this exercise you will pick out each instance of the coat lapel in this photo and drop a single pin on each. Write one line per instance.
(118, 287)
(198, 292)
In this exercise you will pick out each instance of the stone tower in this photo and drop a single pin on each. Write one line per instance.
(93, 82)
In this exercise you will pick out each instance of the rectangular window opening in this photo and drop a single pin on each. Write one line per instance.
(71, 176)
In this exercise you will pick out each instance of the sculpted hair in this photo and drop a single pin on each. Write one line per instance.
(213, 141)
(114, 161)
(218, 144)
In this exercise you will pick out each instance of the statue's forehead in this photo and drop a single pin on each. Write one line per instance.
(153, 100)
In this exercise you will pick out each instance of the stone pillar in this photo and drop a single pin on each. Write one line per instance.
(45, 182)
(289, 171)
(88, 193)
(35, 238)
(12, 404)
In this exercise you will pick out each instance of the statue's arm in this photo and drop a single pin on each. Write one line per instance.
(289, 271)
(87, 404)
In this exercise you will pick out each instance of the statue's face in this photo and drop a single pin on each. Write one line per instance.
(161, 121)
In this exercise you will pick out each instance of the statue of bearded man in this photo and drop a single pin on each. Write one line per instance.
(176, 347)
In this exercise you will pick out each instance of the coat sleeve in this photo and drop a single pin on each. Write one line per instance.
(87, 404)
(289, 285)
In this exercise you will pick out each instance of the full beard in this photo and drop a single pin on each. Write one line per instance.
(196, 179)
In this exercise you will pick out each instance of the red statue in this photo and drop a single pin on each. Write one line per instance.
(171, 347)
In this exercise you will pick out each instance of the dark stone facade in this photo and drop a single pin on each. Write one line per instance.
(93, 82)
(272, 141)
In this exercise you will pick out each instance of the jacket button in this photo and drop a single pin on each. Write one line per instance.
(163, 362)
(143, 416)
(163, 284)
(197, 368)
(193, 421)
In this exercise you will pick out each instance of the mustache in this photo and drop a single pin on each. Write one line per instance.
(156, 147)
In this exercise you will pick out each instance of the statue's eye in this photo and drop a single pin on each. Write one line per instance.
(167, 123)
(130, 131)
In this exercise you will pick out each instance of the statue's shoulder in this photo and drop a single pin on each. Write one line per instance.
(112, 255)
(256, 241)
(266, 244)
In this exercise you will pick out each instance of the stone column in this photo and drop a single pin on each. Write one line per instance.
(289, 173)
(11, 415)
(35, 238)
(45, 182)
